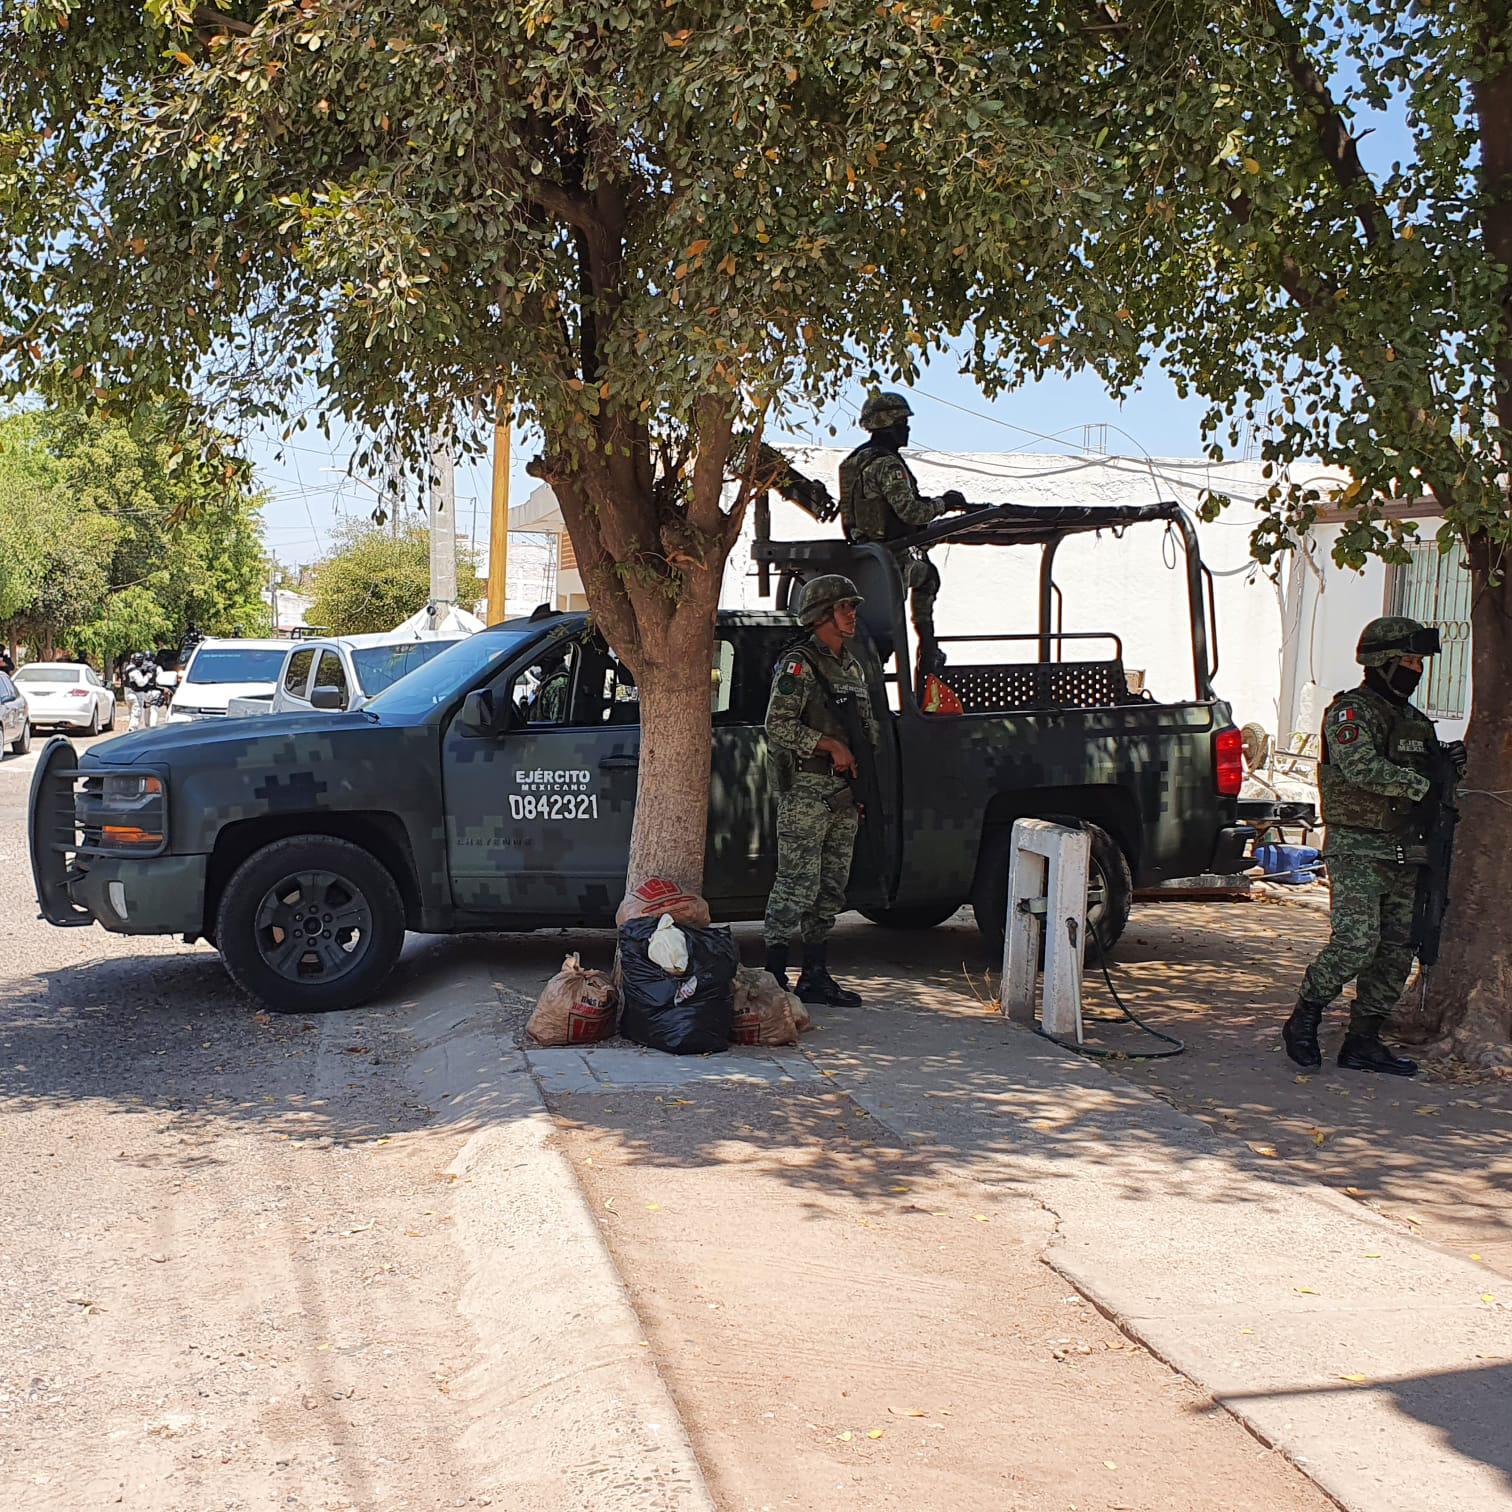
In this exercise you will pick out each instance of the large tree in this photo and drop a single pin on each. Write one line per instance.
(651, 222)
(1350, 304)
(111, 539)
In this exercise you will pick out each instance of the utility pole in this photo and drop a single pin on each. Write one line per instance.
(498, 532)
(443, 522)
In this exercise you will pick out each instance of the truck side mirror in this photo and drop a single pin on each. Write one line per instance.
(326, 698)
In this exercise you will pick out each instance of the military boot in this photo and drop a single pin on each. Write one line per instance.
(816, 985)
(1300, 1033)
(777, 964)
(1362, 1050)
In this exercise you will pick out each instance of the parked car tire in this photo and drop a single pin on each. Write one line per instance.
(1110, 888)
(310, 924)
(22, 743)
(926, 916)
(93, 727)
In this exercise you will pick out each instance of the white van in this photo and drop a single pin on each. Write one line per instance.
(219, 670)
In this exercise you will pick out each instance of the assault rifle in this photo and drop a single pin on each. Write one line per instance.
(1431, 901)
(774, 471)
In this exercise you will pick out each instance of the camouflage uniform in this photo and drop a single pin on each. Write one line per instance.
(816, 819)
(880, 501)
(1380, 755)
(1377, 761)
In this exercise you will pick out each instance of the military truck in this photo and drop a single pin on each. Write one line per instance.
(493, 788)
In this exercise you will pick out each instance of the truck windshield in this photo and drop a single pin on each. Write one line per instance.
(379, 666)
(235, 664)
(444, 676)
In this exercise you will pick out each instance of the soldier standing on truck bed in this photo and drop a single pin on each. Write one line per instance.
(1379, 752)
(821, 735)
(880, 501)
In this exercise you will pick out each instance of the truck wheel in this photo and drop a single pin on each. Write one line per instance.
(926, 916)
(1110, 889)
(309, 924)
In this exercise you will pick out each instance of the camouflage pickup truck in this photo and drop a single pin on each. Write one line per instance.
(493, 788)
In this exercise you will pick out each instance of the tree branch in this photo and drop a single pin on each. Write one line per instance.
(1334, 139)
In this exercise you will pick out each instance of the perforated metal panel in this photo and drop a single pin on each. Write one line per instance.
(1038, 685)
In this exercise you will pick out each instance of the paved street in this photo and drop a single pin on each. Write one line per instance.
(355, 1262)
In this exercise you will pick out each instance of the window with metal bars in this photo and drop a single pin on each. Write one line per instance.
(1434, 589)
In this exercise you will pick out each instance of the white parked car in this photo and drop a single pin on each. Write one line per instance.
(219, 670)
(68, 695)
(15, 717)
(342, 671)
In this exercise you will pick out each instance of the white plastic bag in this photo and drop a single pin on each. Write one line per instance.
(669, 946)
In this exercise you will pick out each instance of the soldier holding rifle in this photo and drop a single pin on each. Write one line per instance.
(822, 737)
(1387, 787)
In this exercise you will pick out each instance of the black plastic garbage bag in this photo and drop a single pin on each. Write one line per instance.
(691, 1014)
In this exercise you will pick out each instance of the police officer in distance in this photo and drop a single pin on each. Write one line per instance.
(1379, 754)
(819, 691)
(880, 501)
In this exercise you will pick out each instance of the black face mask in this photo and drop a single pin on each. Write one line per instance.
(1404, 679)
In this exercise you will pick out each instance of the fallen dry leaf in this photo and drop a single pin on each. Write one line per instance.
(1356, 1379)
(1487, 1297)
(653, 1207)
(1473, 1255)
(1371, 1255)
(1110, 1465)
(874, 1433)
(1319, 1136)
(979, 1217)
(1267, 1150)
(845, 1438)
(897, 1189)
(1306, 1291)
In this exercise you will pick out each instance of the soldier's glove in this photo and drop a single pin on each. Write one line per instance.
(954, 499)
(1454, 751)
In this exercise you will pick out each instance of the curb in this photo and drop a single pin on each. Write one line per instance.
(569, 1410)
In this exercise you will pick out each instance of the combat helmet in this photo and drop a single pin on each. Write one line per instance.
(1394, 635)
(822, 594)
(882, 409)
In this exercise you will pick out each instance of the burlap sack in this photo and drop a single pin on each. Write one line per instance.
(656, 896)
(764, 1013)
(578, 1007)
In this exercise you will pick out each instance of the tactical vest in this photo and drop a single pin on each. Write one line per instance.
(863, 511)
(1409, 742)
(818, 713)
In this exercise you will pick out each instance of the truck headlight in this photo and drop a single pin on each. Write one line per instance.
(126, 811)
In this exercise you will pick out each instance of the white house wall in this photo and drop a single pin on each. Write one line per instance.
(1331, 614)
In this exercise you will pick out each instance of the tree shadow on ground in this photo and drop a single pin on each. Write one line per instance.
(1468, 1406)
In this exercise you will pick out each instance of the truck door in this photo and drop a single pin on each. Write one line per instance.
(538, 818)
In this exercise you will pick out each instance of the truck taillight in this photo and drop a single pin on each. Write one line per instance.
(1228, 761)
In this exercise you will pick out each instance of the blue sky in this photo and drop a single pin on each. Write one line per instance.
(310, 494)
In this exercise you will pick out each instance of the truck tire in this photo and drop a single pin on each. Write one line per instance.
(925, 916)
(1110, 888)
(310, 924)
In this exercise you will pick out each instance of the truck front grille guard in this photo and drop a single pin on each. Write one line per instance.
(53, 834)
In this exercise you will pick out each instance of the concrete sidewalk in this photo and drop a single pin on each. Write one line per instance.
(1380, 1365)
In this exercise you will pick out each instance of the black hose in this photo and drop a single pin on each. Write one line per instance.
(1179, 1047)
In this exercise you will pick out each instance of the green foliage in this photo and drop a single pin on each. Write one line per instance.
(374, 580)
(110, 542)
(1357, 317)
(649, 223)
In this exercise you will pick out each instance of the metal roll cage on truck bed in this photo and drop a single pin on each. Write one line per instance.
(875, 571)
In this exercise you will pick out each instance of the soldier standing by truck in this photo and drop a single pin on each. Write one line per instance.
(1380, 754)
(880, 501)
(822, 737)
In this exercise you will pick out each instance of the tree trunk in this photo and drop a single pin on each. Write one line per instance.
(1469, 999)
(672, 797)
